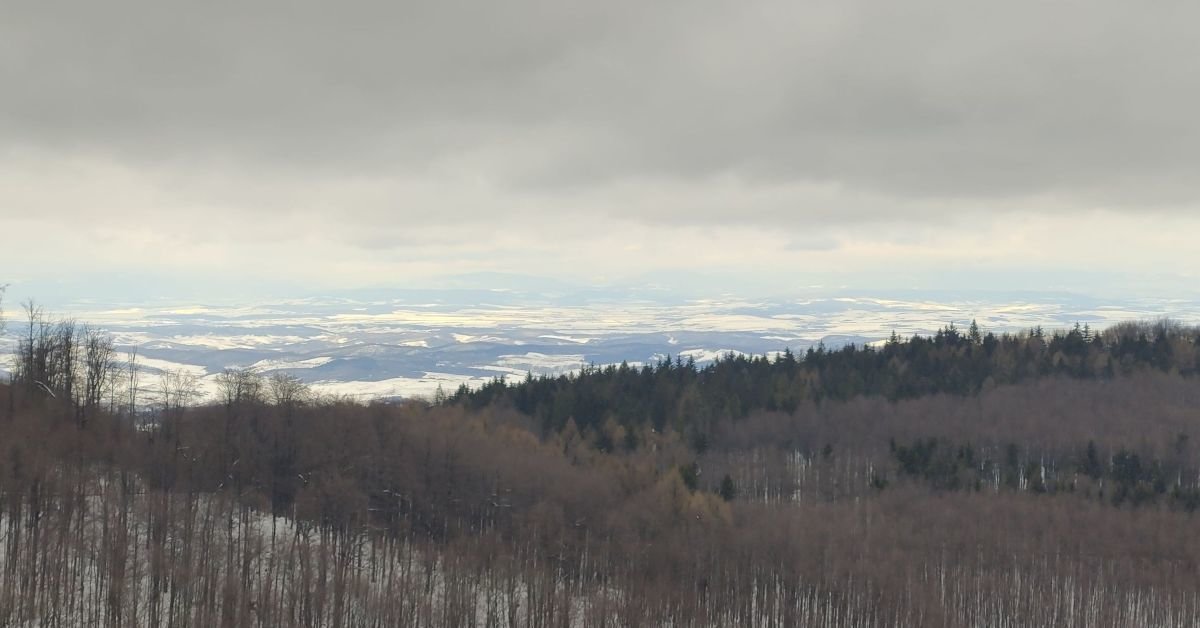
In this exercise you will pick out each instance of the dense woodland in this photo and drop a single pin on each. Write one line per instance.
(1034, 479)
(694, 400)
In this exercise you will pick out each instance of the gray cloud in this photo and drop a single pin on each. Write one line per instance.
(406, 127)
(927, 99)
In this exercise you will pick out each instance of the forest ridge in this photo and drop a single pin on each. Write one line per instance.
(690, 399)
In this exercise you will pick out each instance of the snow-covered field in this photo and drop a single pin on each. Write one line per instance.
(411, 345)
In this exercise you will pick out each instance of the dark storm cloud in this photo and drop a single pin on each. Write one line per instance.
(1091, 104)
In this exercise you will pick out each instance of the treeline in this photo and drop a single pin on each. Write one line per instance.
(72, 362)
(1124, 477)
(409, 515)
(691, 399)
(270, 506)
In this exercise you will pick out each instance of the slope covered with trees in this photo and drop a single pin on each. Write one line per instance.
(690, 399)
(1035, 479)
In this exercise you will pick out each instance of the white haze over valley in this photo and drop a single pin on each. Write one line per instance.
(411, 343)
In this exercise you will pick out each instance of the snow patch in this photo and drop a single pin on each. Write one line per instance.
(579, 340)
(276, 365)
(466, 338)
(412, 387)
(707, 355)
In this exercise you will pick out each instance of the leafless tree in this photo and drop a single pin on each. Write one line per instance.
(99, 367)
(132, 379)
(177, 389)
(237, 386)
(287, 390)
(26, 362)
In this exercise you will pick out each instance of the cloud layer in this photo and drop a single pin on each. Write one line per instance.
(443, 136)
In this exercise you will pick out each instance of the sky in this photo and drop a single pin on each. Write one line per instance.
(950, 144)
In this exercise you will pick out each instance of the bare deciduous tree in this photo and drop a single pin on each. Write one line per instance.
(132, 379)
(237, 386)
(99, 367)
(177, 389)
(287, 390)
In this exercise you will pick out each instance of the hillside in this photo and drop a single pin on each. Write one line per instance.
(1043, 478)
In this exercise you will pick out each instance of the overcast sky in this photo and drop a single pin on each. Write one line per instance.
(340, 144)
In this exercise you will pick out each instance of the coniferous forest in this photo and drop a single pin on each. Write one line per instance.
(1044, 478)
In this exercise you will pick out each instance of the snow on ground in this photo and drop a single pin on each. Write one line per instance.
(579, 340)
(707, 355)
(786, 339)
(388, 340)
(537, 363)
(156, 364)
(424, 387)
(277, 365)
(465, 338)
(241, 341)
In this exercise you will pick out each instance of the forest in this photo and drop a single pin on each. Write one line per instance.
(1043, 478)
